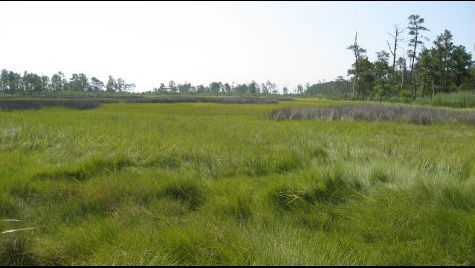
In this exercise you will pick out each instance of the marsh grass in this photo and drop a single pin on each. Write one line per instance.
(462, 99)
(15, 249)
(86, 169)
(417, 115)
(23, 104)
(223, 99)
(218, 184)
(80, 102)
(187, 191)
(326, 187)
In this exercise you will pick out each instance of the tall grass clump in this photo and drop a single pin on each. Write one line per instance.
(14, 249)
(462, 99)
(418, 115)
(8, 206)
(238, 208)
(379, 175)
(331, 187)
(187, 191)
(286, 197)
(328, 187)
(86, 168)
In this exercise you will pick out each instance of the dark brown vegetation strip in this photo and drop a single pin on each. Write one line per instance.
(227, 99)
(80, 102)
(418, 115)
(37, 104)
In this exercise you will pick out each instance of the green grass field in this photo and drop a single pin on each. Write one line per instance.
(213, 183)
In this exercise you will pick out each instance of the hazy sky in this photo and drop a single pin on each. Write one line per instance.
(200, 42)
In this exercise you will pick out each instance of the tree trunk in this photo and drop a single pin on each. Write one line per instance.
(394, 53)
(412, 65)
(402, 78)
(346, 91)
(423, 88)
(445, 72)
(356, 76)
(433, 89)
(415, 91)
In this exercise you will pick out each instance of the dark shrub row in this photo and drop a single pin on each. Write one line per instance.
(226, 99)
(84, 102)
(418, 115)
(37, 104)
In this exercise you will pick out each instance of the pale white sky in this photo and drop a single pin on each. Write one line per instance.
(152, 42)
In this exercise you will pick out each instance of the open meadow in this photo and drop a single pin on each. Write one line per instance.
(209, 183)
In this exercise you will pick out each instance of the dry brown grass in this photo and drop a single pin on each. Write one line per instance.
(418, 115)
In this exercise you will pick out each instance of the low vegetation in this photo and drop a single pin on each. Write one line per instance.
(223, 99)
(463, 99)
(22, 104)
(216, 184)
(87, 102)
(418, 115)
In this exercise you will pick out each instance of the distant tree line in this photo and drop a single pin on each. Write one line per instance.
(252, 88)
(30, 83)
(442, 68)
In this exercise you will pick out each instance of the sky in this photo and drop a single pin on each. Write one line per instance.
(149, 43)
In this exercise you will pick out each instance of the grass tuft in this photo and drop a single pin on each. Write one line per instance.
(187, 191)
(14, 249)
(86, 169)
(331, 188)
(239, 208)
(378, 174)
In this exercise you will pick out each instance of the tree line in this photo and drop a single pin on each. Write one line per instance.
(421, 71)
(253, 88)
(30, 83)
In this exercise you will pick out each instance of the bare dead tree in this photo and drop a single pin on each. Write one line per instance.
(397, 38)
(357, 51)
